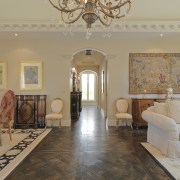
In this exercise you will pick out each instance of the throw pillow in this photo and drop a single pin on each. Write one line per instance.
(174, 110)
(161, 108)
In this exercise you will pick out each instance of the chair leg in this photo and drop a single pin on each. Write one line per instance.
(60, 123)
(117, 123)
(131, 125)
(51, 123)
(0, 134)
(10, 136)
(45, 123)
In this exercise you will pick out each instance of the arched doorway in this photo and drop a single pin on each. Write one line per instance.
(92, 60)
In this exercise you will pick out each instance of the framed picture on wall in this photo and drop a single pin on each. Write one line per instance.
(3, 75)
(31, 75)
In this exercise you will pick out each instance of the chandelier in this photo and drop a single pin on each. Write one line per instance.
(91, 10)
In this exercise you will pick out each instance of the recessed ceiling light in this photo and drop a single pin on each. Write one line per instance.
(161, 34)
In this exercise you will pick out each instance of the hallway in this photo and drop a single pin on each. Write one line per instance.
(90, 151)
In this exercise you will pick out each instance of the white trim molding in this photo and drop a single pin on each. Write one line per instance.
(123, 26)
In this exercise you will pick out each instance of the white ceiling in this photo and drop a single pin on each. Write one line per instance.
(38, 19)
(41, 10)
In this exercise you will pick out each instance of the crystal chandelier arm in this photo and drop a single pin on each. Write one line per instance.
(65, 8)
(105, 23)
(117, 6)
(69, 15)
(110, 14)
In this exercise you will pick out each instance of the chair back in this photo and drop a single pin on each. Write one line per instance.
(7, 108)
(57, 105)
(122, 105)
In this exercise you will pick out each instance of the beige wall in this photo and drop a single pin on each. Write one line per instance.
(103, 94)
(56, 58)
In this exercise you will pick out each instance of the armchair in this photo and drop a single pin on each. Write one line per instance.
(6, 111)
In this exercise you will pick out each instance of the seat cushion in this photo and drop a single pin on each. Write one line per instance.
(54, 116)
(123, 116)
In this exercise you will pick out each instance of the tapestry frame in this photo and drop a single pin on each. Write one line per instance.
(153, 73)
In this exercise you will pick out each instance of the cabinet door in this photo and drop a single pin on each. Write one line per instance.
(41, 106)
(74, 105)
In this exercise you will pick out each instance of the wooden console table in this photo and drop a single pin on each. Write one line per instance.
(140, 105)
(30, 111)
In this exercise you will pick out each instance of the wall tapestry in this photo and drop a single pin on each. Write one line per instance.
(153, 73)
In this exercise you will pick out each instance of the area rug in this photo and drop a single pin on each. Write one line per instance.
(13, 152)
(171, 166)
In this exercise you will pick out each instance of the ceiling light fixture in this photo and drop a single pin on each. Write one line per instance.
(91, 10)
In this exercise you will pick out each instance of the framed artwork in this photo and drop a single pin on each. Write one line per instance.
(31, 76)
(153, 73)
(3, 75)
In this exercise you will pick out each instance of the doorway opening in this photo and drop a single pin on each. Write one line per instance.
(88, 86)
(90, 67)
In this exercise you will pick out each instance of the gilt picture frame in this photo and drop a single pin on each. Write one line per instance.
(153, 73)
(3, 75)
(31, 75)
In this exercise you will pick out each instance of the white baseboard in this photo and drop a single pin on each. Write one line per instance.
(112, 122)
(64, 122)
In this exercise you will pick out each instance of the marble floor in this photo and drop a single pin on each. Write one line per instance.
(90, 151)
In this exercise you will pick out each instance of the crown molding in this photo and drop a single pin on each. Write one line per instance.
(123, 26)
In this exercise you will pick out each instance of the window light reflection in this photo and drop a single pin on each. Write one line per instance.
(88, 127)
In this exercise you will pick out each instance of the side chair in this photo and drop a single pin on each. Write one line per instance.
(122, 112)
(56, 114)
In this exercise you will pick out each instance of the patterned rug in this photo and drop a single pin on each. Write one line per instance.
(171, 166)
(13, 152)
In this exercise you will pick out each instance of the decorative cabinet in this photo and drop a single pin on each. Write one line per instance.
(75, 105)
(80, 101)
(30, 111)
(138, 106)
